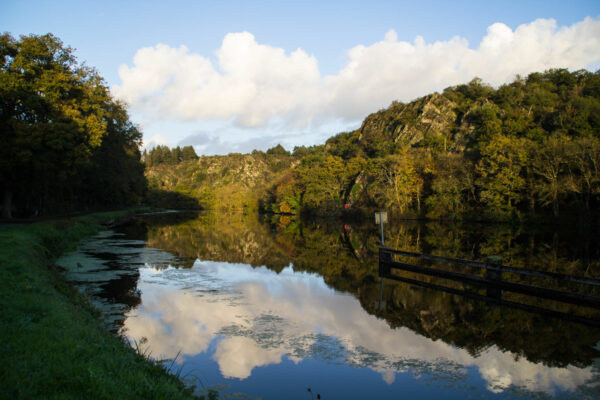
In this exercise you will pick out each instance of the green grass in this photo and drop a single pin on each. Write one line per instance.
(52, 345)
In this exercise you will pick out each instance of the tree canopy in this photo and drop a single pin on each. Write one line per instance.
(66, 144)
(165, 155)
(528, 147)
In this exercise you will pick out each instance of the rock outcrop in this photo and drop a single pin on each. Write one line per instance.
(429, 116)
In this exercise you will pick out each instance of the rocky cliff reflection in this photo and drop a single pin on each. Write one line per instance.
(259, 293)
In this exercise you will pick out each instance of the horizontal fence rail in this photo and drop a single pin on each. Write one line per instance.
(493, 278)
(497, 301)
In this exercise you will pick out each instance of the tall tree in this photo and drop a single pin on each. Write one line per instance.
(551, 163)
(585, 159)
(500, 171)
(452, 185)
(115, 176)
(397, 180)
(55, 113)
(188, 154)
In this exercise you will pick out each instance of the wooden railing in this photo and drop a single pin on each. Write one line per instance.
(495, 278)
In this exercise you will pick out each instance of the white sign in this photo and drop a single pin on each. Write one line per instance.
(381, 218)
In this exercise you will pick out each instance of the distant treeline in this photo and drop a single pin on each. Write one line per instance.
(230, 183)
(66, 144)
(165, 155)
(531, 147)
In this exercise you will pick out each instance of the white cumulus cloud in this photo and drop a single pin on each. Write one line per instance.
(254, 84)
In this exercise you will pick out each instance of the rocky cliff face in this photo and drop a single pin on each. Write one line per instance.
(430, 120)
(429, 116)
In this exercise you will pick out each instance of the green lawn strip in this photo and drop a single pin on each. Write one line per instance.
(52, 345)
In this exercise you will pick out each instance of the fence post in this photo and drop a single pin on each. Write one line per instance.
(385, 257)
(493, 273)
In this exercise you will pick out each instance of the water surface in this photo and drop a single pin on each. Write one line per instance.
(270, 308)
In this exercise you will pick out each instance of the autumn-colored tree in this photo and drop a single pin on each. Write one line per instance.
(397, 181)
(500, 172)
(528, 147)
(322, 180)
(287, 195)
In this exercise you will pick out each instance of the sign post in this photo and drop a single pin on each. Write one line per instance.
(381, 218)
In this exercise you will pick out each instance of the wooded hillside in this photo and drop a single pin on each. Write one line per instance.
(234, 182)
(528, 148)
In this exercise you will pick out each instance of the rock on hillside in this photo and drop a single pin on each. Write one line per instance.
(429, 116)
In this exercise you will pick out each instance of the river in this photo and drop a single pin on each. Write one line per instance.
(258, 307)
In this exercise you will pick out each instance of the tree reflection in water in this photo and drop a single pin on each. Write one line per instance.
(263, 289)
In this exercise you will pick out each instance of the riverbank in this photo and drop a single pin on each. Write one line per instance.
(51, 342)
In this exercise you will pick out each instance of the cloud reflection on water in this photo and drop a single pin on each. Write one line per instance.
(257, 317)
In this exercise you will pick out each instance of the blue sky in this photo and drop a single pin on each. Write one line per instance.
(253, 74)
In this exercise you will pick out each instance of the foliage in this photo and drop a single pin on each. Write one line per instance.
(529, 147)
(165, 155)
(228, 183)
(452, 183)
(66, 144)
(345, 145)
(499, 173)
(278, 150)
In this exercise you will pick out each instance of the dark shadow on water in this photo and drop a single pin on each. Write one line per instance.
(171, 200)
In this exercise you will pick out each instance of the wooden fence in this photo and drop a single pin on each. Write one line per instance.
(496, 279)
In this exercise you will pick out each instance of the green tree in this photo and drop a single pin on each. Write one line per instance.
(487, 124)
(175, 155)
(278, 150)
(53, 116)
(585, 159)
(397, 181)
(115, 176)
(550, 162)
(160, 155)
(323, 181)
(452, 188)
(188, 154)
(500, 172)
(345, 145)
(287, 198)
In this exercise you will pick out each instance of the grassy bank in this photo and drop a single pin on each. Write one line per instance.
(51, 343)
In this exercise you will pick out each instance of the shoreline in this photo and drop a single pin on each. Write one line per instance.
(53, 344)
